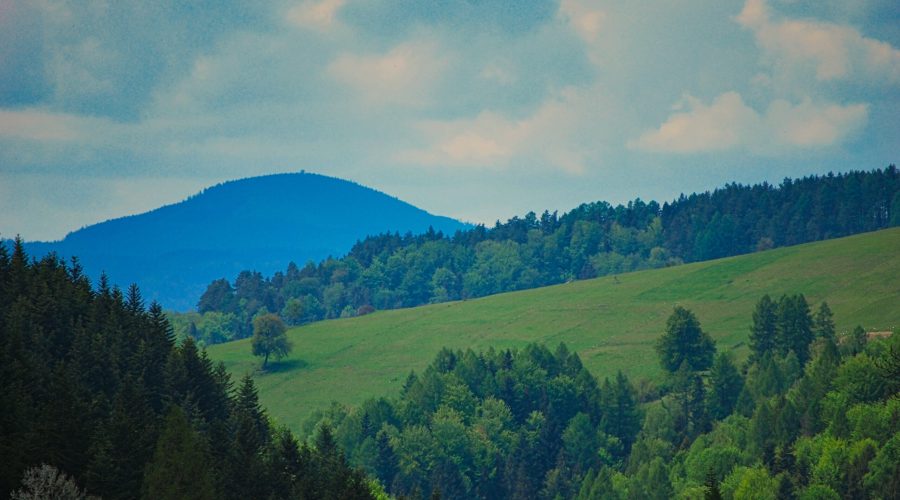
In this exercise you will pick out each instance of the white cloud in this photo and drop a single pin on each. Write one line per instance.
(39, 125)
(584, 18)
(565, 132)
(716, 127)
(809, 125)
(831, 51)
(405, 75)
(318, 15)
(587, 21)
(728, 123)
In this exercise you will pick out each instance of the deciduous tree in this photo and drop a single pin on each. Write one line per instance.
(269, 338)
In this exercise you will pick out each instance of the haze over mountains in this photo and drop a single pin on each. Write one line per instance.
(262, 223)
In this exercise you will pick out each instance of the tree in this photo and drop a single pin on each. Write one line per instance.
(794, 327)
(180, 467)
(269, 338)
(684, 341)
(725, 384)
(621, 416)
(763, 330)
(824, 322)
(48, 482)
(857, 341)
(712, 487)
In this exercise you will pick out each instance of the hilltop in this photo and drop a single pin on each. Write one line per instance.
(611, 322)
(265, 222)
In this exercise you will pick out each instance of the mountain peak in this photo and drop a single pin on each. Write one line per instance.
(260, 223)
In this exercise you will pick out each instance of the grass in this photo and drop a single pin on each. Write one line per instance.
(611, 322)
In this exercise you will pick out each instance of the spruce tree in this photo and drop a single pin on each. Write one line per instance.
(857, 341)
(385, 460)
(824, 322)
(621, 416)
(764, 328)
(725, 386)
(180, 467)
(685, 342)
(794, 327)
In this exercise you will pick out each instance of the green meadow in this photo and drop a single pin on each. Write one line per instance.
(612, 322)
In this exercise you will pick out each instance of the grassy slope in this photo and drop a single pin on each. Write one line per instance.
(611, 322)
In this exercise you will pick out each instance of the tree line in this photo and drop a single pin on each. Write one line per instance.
(98, 397)
(808, 415)
(595, 239)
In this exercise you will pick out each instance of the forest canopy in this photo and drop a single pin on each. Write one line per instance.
(390, 270)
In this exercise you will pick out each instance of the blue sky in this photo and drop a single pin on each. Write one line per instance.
(474, 109)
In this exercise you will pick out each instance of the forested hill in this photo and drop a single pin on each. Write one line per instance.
(261, 223)
(595, 239)
(94, 389)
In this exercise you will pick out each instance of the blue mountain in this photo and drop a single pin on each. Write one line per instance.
(259, 223)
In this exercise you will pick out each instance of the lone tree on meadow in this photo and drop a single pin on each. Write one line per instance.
(269, 338)
(685, 342)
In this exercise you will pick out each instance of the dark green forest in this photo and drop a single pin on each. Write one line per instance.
(810, 416)
(595, 239)
(94, 385)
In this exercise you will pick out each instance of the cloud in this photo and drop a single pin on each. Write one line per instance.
(728, 123)
(564, 133)
(831, 51)
(395, 20)
(588, 22)
(318, 15)
(405, 75)
(40, 125)
(584, 18)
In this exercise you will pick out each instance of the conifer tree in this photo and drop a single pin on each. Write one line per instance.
(857, 341)
(621, 416)
(712, 491)
(685, 342)
(794, 327)
(824, 322)
(764, 328)
(180, 467)
(386, 459)
(725, 386)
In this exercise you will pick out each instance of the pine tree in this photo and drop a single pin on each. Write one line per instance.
(684, 341)
(712, 491)
(386, 459)
(857, 341)
(794, 327)
(824, 322)
(763, 330)
(250, 431)
(725, 386)
(180, 467)
(621, 416)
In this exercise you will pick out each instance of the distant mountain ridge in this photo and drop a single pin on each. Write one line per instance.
(262, 223)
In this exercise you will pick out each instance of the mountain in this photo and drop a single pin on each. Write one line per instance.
(611, 322)
(260, 223)
(594, 239)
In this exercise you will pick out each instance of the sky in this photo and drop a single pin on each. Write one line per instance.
(478, 110)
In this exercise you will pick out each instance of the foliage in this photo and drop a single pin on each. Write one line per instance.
(611, 325)
(684, 342)
(492, 425)
(390, 271)
(180, 467)
(725, 386)
(93, 382)
(47, 482)
(269, 338)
